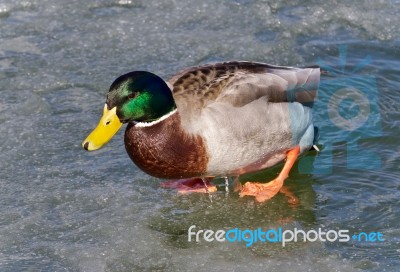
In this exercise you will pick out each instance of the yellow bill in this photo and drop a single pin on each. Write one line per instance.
(109, 125)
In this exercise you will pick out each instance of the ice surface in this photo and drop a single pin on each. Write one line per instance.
(62, 209)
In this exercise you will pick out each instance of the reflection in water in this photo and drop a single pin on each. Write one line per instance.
(228, 211)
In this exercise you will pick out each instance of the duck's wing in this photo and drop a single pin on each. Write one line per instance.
(240, 83)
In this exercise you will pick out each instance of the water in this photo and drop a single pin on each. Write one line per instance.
(63, 209)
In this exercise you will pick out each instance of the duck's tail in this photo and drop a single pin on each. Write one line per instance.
(315, 141)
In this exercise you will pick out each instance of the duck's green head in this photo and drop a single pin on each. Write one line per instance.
(136, 96)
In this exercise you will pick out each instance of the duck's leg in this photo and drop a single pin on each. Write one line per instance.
(265, 191)
(191, 185)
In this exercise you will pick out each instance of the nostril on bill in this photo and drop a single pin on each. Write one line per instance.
(86, 146)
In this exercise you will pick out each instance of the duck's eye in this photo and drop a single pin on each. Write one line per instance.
(133, 95)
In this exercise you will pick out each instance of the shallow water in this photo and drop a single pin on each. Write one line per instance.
(63, 209)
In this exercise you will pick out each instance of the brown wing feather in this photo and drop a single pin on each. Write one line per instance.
(240, 83)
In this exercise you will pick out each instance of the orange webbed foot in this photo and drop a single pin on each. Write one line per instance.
(191, 185)
(264, 191)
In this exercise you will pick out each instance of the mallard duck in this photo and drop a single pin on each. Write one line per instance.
(214, 120)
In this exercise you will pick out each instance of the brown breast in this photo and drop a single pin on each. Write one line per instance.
(164, 150)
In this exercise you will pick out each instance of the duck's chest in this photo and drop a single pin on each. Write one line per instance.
(164, 150)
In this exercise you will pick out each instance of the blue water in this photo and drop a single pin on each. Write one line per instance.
(64, 209)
